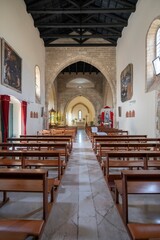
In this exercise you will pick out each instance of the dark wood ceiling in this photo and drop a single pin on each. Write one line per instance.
(80, 22)
(80, 67)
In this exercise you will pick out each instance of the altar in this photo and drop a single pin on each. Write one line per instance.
(80, 124)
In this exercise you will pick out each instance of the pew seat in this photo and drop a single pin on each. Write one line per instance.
(24, 180)
(138, 182)
(15, 229)
(135, 160)
(144, 231)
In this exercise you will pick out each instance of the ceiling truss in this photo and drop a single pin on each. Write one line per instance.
(80, 23)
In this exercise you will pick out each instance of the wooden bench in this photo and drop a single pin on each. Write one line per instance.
(109, 131)
(62, 131)
(135, 159)
(138, 182)
(24, 180)
(59, 131)
(15, 229)
(117, 139)
(10, 163)
(63, 148)
(45, 139)
(54, 161)
(121, 146)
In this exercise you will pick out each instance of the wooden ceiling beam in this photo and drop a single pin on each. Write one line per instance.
(88, 3)
(81, 11)
(73, 3)
(83, 25)
(82, 45)
(54, 36)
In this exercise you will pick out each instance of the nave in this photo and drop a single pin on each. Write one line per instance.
(84, 208)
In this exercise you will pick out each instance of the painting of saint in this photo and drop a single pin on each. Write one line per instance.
(11, 67)
(127, 83)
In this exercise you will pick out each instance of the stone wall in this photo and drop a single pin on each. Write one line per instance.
(93, 94)
(104, 59)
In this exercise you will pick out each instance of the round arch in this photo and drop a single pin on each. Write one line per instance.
(79, 103)
(152, 81)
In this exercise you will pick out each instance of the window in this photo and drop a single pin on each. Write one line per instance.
(79, 115)
(158, 43)
(152, 52)
(37, 85)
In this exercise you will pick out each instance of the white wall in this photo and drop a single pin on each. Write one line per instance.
(131, 49)
(16, 27)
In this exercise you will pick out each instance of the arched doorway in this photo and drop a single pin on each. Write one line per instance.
(10, 117)
(79, 111)
(62, 59)
(14, 117)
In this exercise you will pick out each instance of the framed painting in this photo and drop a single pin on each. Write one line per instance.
(127, 83)
(11, 67)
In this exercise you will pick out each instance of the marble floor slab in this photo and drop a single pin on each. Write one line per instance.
(84, 208)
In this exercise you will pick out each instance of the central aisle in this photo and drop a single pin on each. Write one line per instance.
(84, 208)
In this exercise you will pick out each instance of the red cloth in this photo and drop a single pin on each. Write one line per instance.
(5, 99)
(24, 116)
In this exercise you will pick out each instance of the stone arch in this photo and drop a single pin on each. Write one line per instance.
(97, 105)
(81, 104)
(89, 106)
(54, 71)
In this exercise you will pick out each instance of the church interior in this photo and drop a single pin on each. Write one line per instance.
(79, 120)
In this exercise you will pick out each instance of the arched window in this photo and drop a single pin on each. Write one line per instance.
(158, 43)
(152, 51)
(79, 115)
(37, 85)
(152, 65)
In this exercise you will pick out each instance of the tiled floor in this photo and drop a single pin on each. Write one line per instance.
(84, 208)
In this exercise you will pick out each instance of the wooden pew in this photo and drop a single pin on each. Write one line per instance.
(117, 138)
(24, 180)
(70, 132)
(109, 133)
(63, 148)
(138, 182)
(11, 235)
(124, 140)
(135, 159)
(104, 147)
(59, 131)
(45, 138)
(63, 131)
(53, 136)
(54, 161)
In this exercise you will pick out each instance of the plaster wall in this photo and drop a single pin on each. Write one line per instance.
(132, 49)
(17, 28)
